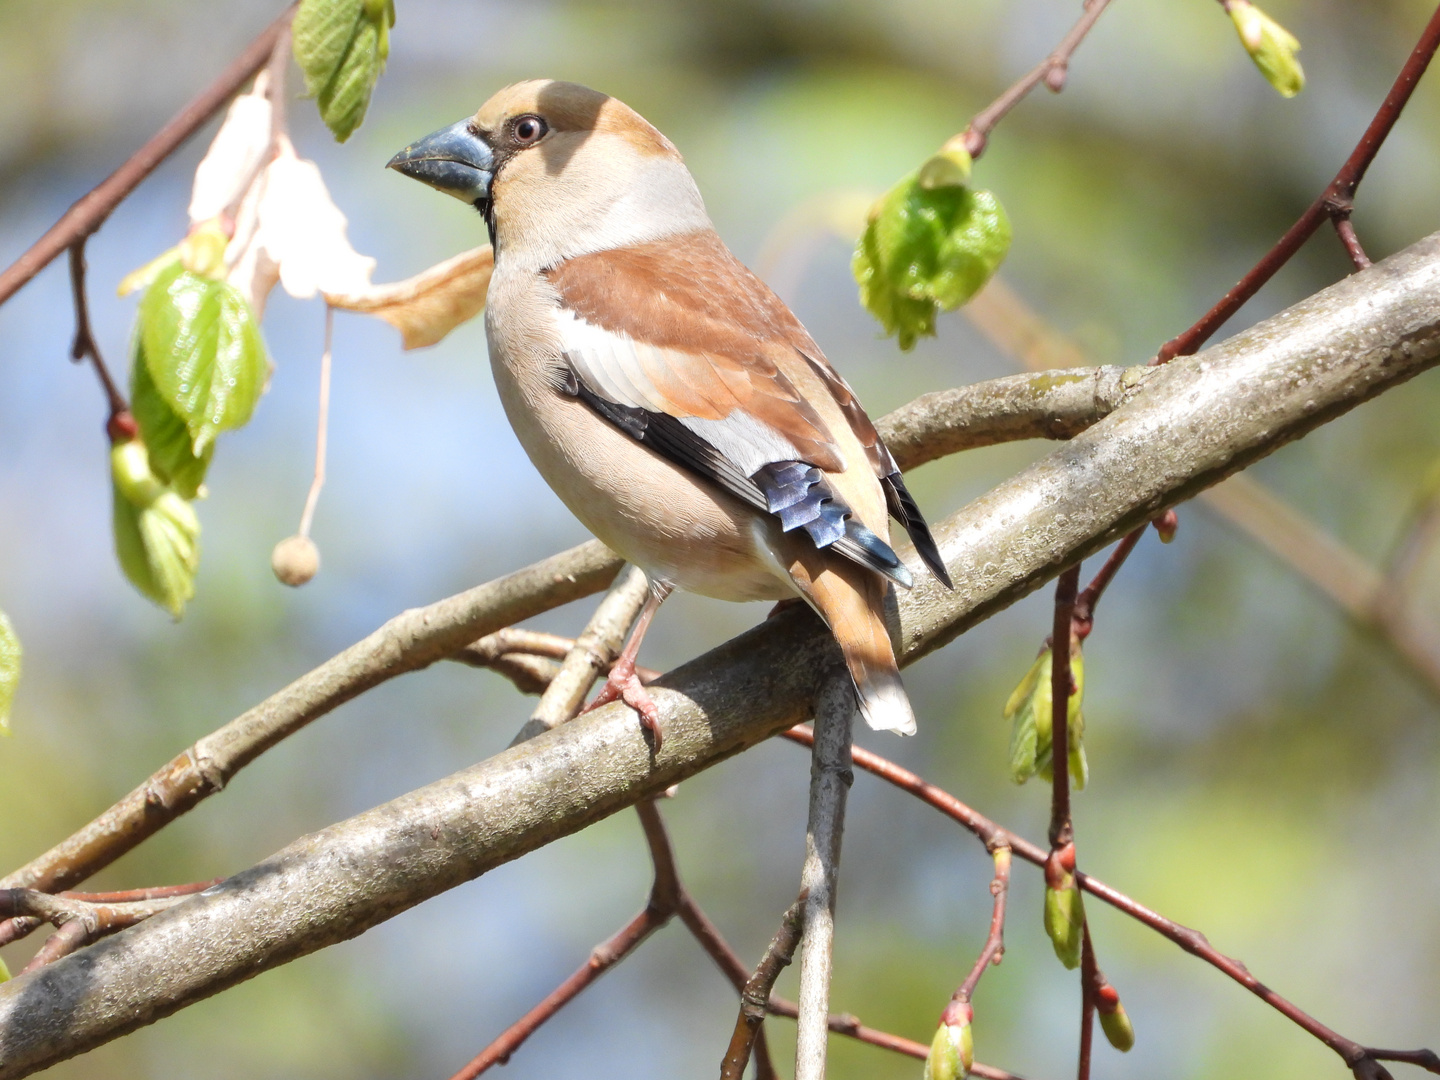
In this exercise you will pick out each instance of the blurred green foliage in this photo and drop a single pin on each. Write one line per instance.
(1263, 771)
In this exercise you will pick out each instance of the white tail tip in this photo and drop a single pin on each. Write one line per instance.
(885, 705)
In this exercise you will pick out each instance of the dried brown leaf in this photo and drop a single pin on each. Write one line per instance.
(429, 305)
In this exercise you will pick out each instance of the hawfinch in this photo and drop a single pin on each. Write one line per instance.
(673, 402)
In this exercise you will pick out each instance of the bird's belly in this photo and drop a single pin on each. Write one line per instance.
(654, 514)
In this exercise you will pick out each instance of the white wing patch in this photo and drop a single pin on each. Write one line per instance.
(613, 365)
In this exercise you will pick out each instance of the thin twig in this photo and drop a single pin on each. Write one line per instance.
(1345, 229)
(91, 210)
(830, 780)
(1083, 617)
(994, 949)
(154, 892)
(1336, 201)
(1088, 973)
(85, 346)
(1062, 688)
(1051, 71)
(755, 998)
(1192, 941)
(659, 910)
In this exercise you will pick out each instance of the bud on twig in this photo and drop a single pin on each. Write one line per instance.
(952, 1051)
(1064, 908)
(1117, 1027)
(947, 167)
(1270, 45)
(1166, 525)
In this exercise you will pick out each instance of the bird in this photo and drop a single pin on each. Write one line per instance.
(673, 402)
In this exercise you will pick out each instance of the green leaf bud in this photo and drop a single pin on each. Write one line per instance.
(142, 277)
(1065, 919)
(1031, 712)
(952, 1051)
(342, 46)
(157, 535)
(1117, 1027)
(927, 250)
(10, 656)
(948, 167)
(1270, 45)
(203, 249)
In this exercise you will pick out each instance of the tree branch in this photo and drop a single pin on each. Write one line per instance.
(830, 780)
(449, 628)
(1190, 425)
(755, 998)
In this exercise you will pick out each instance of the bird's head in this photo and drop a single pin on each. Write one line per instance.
(560, 170)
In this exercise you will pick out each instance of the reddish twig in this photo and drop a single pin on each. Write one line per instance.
(155, 892)
(1345, 229)
(91, 210)
(1083, 619)
(77, 921)
(1062, 686)
(851, 1027)
(1334, 203)
(69, 937)
(1192, 941)
(668, 898)
(118, 423)
(994, 950)
(1051, 71)
(1088, 977)
(755, 997)
(659, 910)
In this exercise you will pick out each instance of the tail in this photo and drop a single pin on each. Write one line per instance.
(851, 600)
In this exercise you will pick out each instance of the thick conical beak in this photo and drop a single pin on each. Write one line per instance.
(454, 160)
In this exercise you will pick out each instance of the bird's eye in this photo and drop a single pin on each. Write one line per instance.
(528, 129)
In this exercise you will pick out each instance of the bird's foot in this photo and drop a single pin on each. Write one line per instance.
(624, 685)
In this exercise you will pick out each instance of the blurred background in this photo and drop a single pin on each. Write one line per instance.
(1260, 769)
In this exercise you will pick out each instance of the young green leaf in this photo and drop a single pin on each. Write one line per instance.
(10, 653)
(924, 250)
(157, 535)
(1065, 920)
(167, 439)
(342, 45)
(1031, 712)
(204, 352)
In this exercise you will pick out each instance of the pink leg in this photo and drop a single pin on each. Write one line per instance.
(623, 684)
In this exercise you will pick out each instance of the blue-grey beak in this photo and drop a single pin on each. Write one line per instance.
(454, 160)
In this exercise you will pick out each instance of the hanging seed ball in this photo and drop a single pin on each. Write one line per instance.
(295, 560)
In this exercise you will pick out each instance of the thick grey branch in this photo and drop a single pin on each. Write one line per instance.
(1003, 409)
(1188, 426)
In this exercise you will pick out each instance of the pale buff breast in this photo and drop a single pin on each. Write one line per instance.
(651, 512)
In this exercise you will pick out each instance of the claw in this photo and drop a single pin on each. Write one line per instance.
(626, 686)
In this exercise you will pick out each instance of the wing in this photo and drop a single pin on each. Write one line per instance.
(902, 505)
(793, 491)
